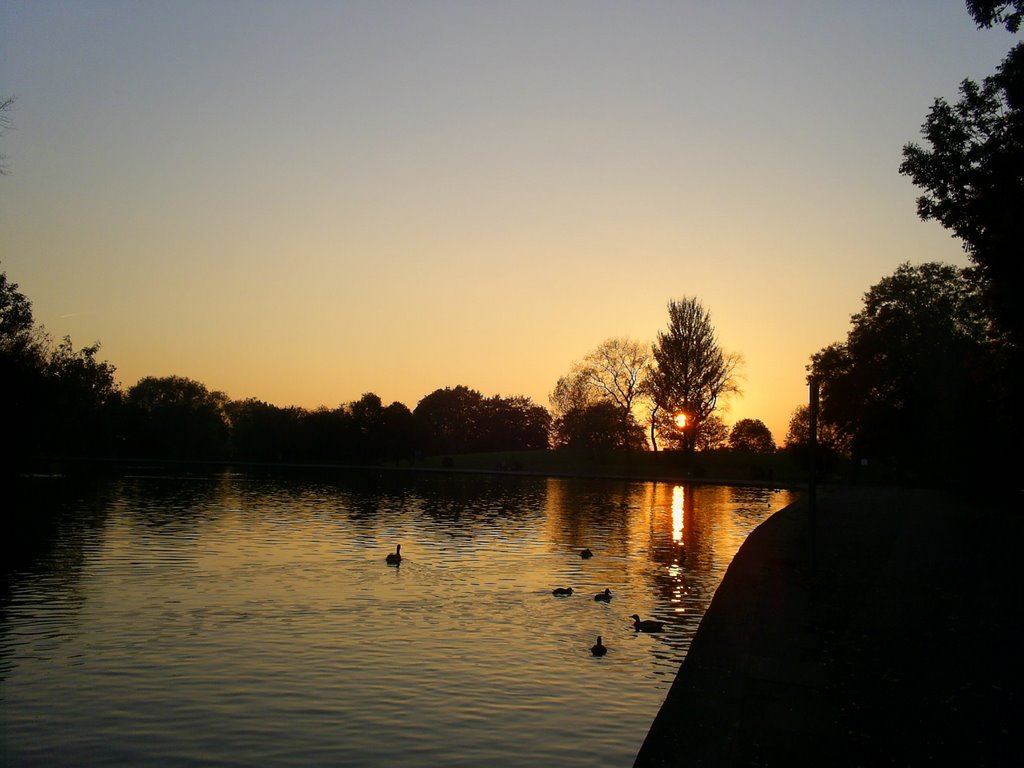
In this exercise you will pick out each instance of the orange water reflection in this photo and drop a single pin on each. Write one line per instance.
(678, 517)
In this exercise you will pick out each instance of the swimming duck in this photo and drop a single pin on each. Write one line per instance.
(598, 649)
(394, 558)
(561, 591)
(648, 625)
(605, 596)
(586, 553)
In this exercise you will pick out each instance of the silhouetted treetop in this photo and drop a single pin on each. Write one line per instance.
(751, 435)
(988, 13)
(972, 172)
(691, 370)
(915, 363)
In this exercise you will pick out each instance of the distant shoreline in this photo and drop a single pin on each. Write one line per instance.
(68, 466)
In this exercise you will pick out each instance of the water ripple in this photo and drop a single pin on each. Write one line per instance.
(239, 620)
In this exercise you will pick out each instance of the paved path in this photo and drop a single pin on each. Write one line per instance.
(895, 641)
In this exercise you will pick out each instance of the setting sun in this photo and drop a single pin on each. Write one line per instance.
(681, 420)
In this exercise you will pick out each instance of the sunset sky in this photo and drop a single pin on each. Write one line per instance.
(305, 201)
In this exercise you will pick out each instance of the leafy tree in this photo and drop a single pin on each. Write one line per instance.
(751, 435)
(22, 361)
(598, 427)
(401, 434)
(264, 432)
(972, 174)
(572, 392)
(513, 424)
(82, 397)
(833, 446)
(711, 434)
(449, 419)
(798, 434)
(913, 365)
(691, 371)
(461, 420)
(614, 372)
(173, 417)
(990, 12)
(17, 325)
(381, 433)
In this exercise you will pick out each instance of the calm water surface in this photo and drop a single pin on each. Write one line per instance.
(243, 619)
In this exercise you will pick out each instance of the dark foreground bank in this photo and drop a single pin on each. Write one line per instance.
(894, 640)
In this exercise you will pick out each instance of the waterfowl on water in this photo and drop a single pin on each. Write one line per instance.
(598, 649)
(561, 591)
(586, 553)
(394, 558)
(605, 596)
(648, 625)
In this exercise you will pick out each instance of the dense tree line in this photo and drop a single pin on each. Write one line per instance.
(63, 402)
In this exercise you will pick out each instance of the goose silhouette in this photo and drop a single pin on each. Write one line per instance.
(394, 558)
(604, 597)
(586, 553)
(561, 591)
(647, 625)
(598, 649)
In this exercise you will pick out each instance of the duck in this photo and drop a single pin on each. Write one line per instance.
(648, 625)
(604, 597)
(597, 649)
(561, 591)
(394, 558)
(586, 553)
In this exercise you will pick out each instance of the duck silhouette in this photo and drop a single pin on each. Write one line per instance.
(586, 553)
(597, 649)
(604, 597)
(648, 625)
(561, 591)
(394, 558)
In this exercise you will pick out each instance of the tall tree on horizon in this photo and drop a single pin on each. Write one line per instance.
(691, 371)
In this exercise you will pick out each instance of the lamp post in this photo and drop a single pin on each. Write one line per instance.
(812, 484)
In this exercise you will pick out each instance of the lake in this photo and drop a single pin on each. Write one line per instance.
(247, 618)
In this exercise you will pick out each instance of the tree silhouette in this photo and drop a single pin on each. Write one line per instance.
(615, 372)
(972, 172)
(598, 427)
(173, 417)
(751, 435)
(988, 13)
(691, 371)
(22, 361)
(82, 402)
(913, 367)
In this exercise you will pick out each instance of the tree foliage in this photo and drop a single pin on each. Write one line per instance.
(691, 371)
(988, 13)
(972, 172)
(914, 364)
(461, 420)
(751, 435)
(58, 401)
(598, 427)
(615, 372)
(174, 417)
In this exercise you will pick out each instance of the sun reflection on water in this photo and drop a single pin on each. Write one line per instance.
(678, 519)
